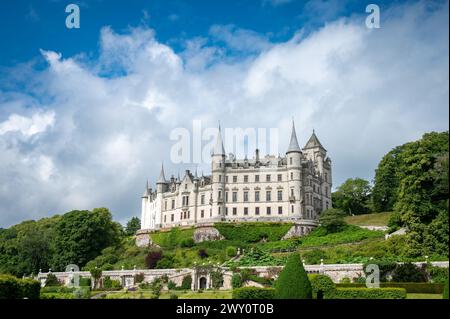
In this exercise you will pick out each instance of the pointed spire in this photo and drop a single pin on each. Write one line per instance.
(161, 178)
(293, 144)
(218, 148)
(314, 142)
(146, 192)
(195, 174)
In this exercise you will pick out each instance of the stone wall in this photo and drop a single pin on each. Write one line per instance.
(206, 233)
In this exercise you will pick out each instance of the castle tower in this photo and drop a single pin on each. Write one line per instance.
(218, 177)
(145, 199)
(161, 187)
(294, 175)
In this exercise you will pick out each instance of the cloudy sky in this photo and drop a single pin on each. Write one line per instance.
(86, 114)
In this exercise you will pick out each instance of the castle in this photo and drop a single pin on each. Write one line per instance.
(294, 188)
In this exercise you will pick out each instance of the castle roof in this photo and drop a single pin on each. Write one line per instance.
(218, 148)
(161, 178)
(313, 142)
(293, 144)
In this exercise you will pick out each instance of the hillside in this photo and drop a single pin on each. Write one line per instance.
(374, 219)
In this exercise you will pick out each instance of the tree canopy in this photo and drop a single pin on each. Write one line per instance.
(353, 196)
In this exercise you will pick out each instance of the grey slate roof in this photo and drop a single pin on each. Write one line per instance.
(293, 144)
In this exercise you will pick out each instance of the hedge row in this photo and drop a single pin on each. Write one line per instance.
(368, 293)
(173, 238)
(253, 293)
(410, 287)
(14, 288)
(253, 232)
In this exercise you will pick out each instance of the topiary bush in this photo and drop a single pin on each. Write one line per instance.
(231, 251)
(187, 282)
(368, 293)
(408, 272)
(321, 285)
(253, 293)
(293, 282)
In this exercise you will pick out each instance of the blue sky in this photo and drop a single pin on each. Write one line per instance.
(87, 115)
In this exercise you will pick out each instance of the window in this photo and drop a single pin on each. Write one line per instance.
(326, 177)
(226, 196)
(280, 196)
(219, 195)
(188, 214)
(185, 186)
(268, 196)
(220, 210)
(245, 178)
(292, 176)
(226, 179)
(226, 211)
(185, 215)
(234, 211)
(292, 192)
(171, 218)
(256, 210)
(202, 200)
(279, 178)
(280, 210)
(267, 178)
(290, 160)
(165, 218)
(326, 191)
(292, 209)
(245, 196)
(210, 212)
(326, 204)
(268, 210)
(173, 202)
(257, 196)
(220, 178)
(234, 197)
(202, 213)
(165, 205)
(235, 179)
(245, 210)
(256, 178)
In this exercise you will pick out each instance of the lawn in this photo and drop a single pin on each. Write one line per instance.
(375, 219)
(423, 296)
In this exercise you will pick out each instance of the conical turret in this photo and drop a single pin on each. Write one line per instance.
(218, 148)
(293, 143)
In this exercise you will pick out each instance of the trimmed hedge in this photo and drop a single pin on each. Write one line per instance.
(322, 285)
(293, 282)
(368, 293)
(410, 287)
(253, 293)
(253, 232)
(14, 288)
(173, 238)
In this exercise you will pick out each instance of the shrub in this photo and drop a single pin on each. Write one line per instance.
(171, 285)
(202, 253)
(332, 220)
(187, 282)
(216, 279)
(314, 256)
(14, 288)
(438, 274)
(152, 258)
(236, 281)
(173, 296)
(85, 282)
(82, 293)
(322, 286)
(138, 278)
(108, 283)
(51, 280)
(253, 232)
(410, 287)
(231, 251)
(386, 268)
(186, 243)
(253, 293)
(166, 262)
(293, 283)
(445, 294)
(345, 280)
(408, 272)
(368, 293)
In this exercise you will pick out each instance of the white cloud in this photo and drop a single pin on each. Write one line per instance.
(92, 139)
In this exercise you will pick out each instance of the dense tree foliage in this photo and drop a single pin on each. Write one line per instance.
(73, 238)
(353, 196)
(133, 225)
(332, 220)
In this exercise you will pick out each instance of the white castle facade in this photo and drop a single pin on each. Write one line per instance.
(294, 188)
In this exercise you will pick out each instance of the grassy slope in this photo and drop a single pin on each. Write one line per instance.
(374, 219)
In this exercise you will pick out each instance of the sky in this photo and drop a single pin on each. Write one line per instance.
(86, 115)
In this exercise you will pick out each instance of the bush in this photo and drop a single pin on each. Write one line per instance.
(368, 293)
(108, 283)
(173, 296)
(202, 253)
(386, 268)
(438, 274)
(82, 293)
(51, 280)
(231, 251)
(236, 281)
(410, 287)
(345, 280)
(253, 232)
(187, 282)
(445, 294)
(186, 243)
(253, 293)
(332, 220)
(138, 278)
(293, 283)
(171, 285)
(322, 286)
(14, 288)
(85, 282)
(152, 258)
(408, 272)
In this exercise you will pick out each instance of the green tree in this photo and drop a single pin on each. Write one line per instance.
(332, 220)
(82, 235)
(133, 225)
(353, 196)
(293, 282)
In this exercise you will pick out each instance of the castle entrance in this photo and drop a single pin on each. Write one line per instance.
(202, 283)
